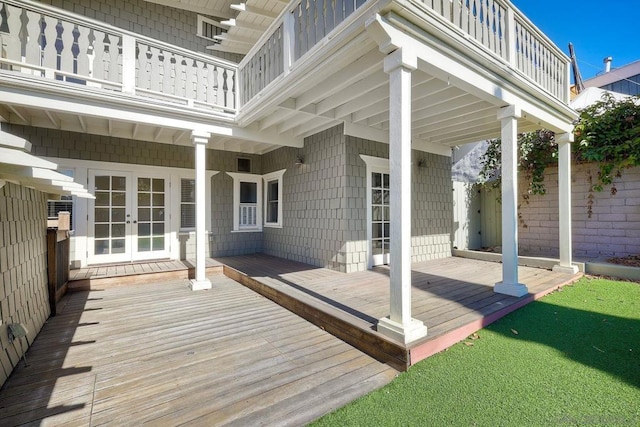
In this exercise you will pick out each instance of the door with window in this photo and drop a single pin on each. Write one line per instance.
(128, 219)
(380, 222)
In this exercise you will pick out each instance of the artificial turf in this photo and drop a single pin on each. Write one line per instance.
(571, 358)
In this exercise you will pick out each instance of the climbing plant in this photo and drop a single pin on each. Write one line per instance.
(607, 133)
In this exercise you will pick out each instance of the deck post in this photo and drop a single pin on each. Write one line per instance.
(564, 204)
(200, 140)
(399, 325)
(509, 285)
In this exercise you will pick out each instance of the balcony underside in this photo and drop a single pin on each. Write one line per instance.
(457, 89)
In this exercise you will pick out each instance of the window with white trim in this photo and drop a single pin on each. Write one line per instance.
(187, 203)
(247, 200)
(273, 198)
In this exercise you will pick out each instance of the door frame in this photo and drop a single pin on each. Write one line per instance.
(380, 165)
(79, 239)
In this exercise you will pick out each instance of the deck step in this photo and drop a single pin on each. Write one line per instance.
(101, 281)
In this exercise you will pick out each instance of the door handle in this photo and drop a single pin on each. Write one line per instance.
(128, 222)
(135, 222)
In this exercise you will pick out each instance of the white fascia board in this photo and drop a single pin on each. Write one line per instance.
(434, 62)
(15, 142)
(11, 156)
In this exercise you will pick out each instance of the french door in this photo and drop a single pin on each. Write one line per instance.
(380, 221)
(128, 220)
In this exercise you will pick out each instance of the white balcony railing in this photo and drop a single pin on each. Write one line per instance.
(495, 25)
(52, 43)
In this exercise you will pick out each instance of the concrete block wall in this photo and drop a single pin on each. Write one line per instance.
(24, 296)
(73, 145)
(612, 230)
(167, 24)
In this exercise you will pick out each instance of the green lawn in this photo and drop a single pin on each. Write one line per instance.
(572, 358)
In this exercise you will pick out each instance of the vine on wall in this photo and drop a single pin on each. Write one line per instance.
(607, 133)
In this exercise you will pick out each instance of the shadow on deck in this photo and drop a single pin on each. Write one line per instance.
(453, 296)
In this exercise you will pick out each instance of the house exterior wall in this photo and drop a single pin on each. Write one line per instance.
(325, 203)
(167, 24)
(613, 230)
(222, 241)
(23, 269)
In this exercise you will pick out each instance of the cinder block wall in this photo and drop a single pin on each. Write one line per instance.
(73, 145)
(324, 203)
(23, 269)
(613, 230)
(167, 24)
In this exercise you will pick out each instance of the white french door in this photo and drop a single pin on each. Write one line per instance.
(128, 219)
(379, 214)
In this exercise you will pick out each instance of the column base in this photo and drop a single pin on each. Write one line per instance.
(571, 269)
(512, 289)
(403, 333)
(200, 285)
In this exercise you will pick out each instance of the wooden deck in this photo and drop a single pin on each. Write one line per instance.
(161, 354)
(454, 297)
(136, 273)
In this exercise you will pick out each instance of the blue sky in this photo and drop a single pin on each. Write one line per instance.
(597, 29)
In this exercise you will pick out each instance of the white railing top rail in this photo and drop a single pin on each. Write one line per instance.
(103, 26)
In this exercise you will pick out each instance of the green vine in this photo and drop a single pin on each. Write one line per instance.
(607, 133)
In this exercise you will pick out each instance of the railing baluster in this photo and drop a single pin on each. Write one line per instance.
(47, 42)
(65, 30)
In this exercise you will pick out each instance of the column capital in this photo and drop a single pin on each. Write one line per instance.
(509, 112)
(200, 137)
(401, 58)
(564, 137)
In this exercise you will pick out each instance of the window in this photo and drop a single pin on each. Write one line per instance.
(249, 191)
(65, 204)
(273, 198)
(247, 197)
(187, 203)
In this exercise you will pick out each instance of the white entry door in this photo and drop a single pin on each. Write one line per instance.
(128, 219)
(380, 222)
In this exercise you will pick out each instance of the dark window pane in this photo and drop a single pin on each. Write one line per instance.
(244, 165)
(187, 216)
(144, 229)
(158, 185)
(117, 246)
(248, 192)
(158, 214)
(158, 229)
(117, 215)
(188, 190)
(101, 247)
(144, 214)
(118, 183)
(144, 184)
(101, 230)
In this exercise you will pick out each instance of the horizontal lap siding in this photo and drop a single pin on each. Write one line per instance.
(23, 269)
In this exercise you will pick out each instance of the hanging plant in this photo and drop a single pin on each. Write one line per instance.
(607, 133)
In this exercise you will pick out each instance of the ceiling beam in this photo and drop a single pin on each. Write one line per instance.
(243, 7)
(235, 22)
(190, 6)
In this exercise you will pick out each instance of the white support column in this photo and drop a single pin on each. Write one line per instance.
(200, 140)
(128, 64)
(564, 203)
(509, 285)
(399, 325)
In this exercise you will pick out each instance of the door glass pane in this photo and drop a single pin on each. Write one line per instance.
(144, 199)
(101, 247)
(376, 180)
(158, 185)
(117, 246)
(103, 183)
(158, 229)
(117, 230)
(117, 214)
(376, 213)
(119, 183)
(117, 199)
(144, 184)
(158, 243)
(158, 199)
(144, 229)
(144, 244)
(101, 231)
(376, 196)
(102, 198)
(102, 215)
(144, 214)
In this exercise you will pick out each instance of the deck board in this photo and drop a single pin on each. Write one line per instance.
(161, 353)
